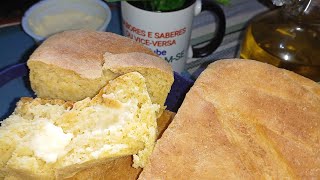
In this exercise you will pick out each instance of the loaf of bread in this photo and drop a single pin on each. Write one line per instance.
(242, 119)
(76, 64)
(55, 139)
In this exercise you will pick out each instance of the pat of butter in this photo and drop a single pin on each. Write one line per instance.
(107, 117)
(49, 142)
(111, 148)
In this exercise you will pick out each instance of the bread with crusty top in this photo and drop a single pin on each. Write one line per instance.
(242, 119)
(76, 64)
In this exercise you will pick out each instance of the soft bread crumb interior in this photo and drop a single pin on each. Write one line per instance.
(119, 121)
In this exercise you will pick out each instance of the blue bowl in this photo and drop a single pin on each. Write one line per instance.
(14, 84)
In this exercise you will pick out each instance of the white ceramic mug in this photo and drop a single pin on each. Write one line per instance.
(168, 33)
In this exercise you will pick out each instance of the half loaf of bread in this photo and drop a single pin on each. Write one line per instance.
(76, 64)
(55, 139)
(242, 119)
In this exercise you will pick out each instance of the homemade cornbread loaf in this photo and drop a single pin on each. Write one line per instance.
(242, 119)
(54, 139)
(73, 65)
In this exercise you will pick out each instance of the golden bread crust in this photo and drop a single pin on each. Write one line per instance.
(82, 50)
(242, 119)
(135, 60)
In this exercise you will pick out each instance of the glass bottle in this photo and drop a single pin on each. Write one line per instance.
(287, 37)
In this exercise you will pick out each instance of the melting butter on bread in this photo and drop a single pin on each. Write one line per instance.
(49, 139)
(120, 168)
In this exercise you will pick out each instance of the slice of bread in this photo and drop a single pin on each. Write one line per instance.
(76, 64)
(121, 168)
(46, 139)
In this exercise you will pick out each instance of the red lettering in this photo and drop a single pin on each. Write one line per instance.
(163, 43)
(134, 29)
(172, 34)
